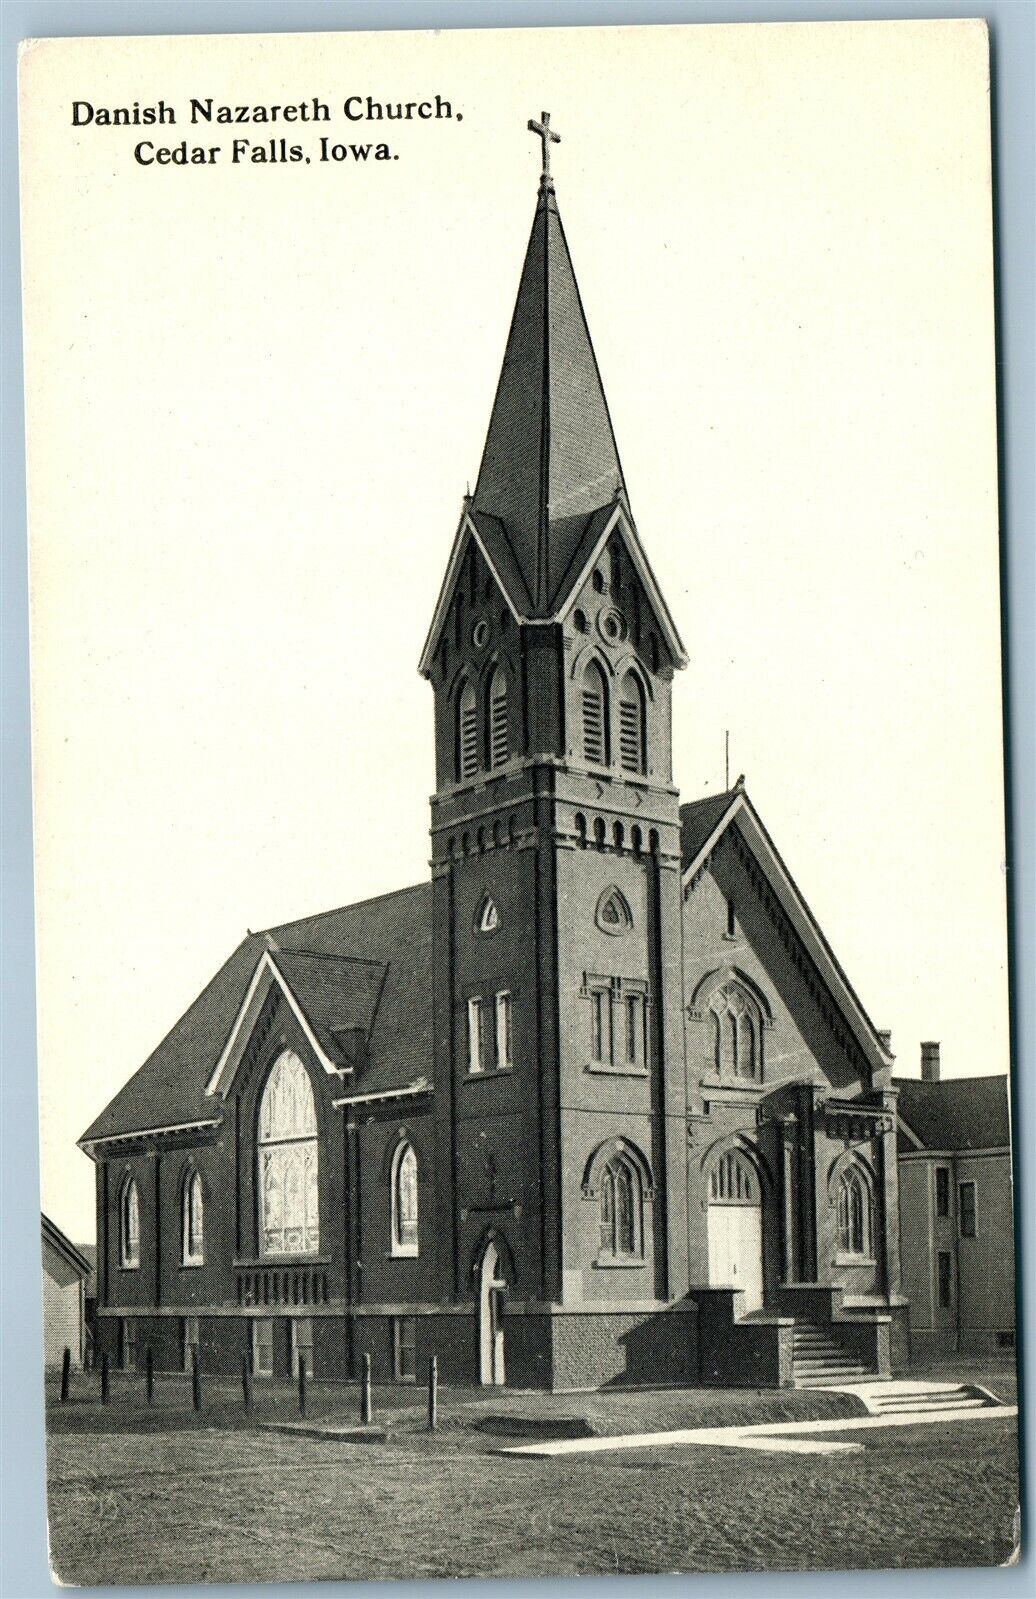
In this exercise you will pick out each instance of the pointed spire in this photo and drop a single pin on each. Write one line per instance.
(550, 460)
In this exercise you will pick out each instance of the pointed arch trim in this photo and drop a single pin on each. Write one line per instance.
(716, 978)
(608, 1151)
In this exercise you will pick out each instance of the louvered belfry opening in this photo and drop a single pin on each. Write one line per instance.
(631, 725)
(499, 729)
(467, 733)
(595, 716)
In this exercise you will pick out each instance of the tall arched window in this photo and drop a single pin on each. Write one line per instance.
(498, 732)
(632, 725)
(622, 1210)
(129, 1224)
(404, 1200)
(467, 733)
(287, 1162)
(855, 1213)
(595, 716)
(736, 1032)
(192, 1221)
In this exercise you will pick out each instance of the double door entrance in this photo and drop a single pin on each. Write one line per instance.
(736, 1228)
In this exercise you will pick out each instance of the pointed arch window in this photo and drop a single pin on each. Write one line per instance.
(288, 1162)
(613, 913)
(404, 1200)
(192, 1220)
(487, 919)
(855, 1204)
(594, 700)
(622, 1210)
(129, 1225)
(733, 1181)
(735, 1032)
(466, 733)
(632, 725)
(498, 740)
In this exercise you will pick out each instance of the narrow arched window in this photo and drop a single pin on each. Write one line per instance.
(595, 715)
(287, 1162)
(735, 1032)
(498, 732)
(466, 753)
(622, 1210)
(192, 1221)
(404, 1200)
(129, 1224)
(632, 725)
(855, 1213)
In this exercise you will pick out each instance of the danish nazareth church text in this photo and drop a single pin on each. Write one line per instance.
(597, 1102)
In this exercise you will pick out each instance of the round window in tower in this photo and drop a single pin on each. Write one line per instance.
(612, 626)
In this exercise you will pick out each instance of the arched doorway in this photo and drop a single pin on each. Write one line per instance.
(736, 1227)
(492, 1288)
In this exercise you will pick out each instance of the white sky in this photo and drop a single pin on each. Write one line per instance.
(256, 394)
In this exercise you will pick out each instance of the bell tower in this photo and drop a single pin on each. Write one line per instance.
(558, 1014)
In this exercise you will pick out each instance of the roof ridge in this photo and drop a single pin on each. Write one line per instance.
(336, 910)
(330, 955)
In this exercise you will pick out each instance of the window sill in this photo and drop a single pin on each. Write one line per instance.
(599, 1068)
(282, 1260)
(191, 1265)
(402, 1254)
(617, 1263)
(126, 1265)
(489, 1073)
(854, 1260)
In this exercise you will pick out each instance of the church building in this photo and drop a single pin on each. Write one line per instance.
(595, 1103)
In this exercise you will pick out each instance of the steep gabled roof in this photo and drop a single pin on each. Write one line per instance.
(64, 1246)
(702, 824)
(958, 1114)
(366, 964)
(550, 486)
(550, 458)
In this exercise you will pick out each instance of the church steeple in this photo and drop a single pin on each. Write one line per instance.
(550, 459)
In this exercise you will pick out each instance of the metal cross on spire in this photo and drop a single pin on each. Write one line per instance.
(549, 137)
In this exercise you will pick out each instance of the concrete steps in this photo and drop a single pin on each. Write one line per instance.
(819, 1362)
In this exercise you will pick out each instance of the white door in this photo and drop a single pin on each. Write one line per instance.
(736, 1229)
(490, 1319)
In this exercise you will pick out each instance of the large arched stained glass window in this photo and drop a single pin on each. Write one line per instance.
(404, 1201)
(855, 1213)
(622, 1230)
(288, 1188)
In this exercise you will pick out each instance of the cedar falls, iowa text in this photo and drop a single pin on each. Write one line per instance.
(275, 151)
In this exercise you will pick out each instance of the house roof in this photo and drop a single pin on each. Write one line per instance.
(702, 824)
(367, 965)
(960, 1113)
(58, 1240)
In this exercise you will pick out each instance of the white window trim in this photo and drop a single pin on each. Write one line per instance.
(128, 1260)
(397, 1249)
(187, 1257)
(503, 1029)
(476, 1063)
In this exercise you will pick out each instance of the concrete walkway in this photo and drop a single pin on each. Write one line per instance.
(891, 1404)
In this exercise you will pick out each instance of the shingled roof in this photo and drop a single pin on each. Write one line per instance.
(367, 965)
(960, 1113)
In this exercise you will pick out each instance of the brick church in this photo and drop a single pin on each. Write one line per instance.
(596, 1103)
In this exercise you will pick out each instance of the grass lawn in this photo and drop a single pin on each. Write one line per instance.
(164, 1496)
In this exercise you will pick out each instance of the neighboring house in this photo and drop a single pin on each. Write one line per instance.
(65, 1275)
(956, 1211)
(597, 1101)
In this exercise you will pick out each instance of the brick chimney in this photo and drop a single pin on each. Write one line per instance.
(929, 1063)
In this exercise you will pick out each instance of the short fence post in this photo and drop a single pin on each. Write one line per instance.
(365, 1391)
(433, 1393)
(195, 1378)
(104, 1378)
(66, 1367)
(302, 1385)
(149, 1375)
(246, 1381)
